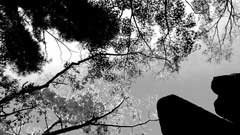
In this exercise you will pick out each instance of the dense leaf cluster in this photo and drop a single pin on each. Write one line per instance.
(17, 45)
(74, 20)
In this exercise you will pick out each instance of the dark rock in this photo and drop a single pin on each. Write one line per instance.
(180, 117)
(227, 105)
(228, 108)
(227, 85)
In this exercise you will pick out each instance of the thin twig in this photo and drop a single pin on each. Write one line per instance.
(124, 126)
(70, 50)
(18, 111)
(138, 29)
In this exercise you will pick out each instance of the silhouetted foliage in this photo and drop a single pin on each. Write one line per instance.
(75, 21)
(171, 15)
(219, 26)
(175, 22)
(17, 46)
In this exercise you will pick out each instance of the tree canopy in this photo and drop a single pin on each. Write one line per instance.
(123, 38)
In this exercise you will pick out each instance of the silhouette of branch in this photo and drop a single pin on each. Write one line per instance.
(18, 111)
(141, 35)
(45, 118)
(60, 49)
(124, 126)
(191, 7)
(229, 21)
(228, 8)
(57, 39)
(53, 125)
(138, 29)
(155, 57)
(168, 30)
(57, 83)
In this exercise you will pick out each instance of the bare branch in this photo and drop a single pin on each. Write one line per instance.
(18, 111)
(45, 118)
(57, 39)
(138, 29)
(192, 7)
(53, 125)
(60, 49)
(124, 126)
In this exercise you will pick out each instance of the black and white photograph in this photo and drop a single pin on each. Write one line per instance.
(119, 67)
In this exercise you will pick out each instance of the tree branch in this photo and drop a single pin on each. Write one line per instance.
(24, 109)
(53, 125)
(58, 40)
(138, 29)
(124, 126)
